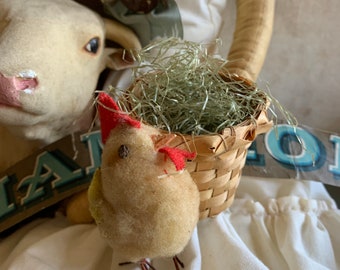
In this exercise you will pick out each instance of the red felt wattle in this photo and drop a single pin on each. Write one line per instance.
(110, 116)
(177, 156)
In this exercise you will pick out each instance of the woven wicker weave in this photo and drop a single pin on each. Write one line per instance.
(219, 162)
(220, 158)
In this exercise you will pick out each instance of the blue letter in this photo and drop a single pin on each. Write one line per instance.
(293, 146)
(94, 143)
(5, 206)
(335, 168)
(253, 158)
(49, 172)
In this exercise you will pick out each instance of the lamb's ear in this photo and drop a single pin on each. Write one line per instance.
(120, 58)
(111, 116)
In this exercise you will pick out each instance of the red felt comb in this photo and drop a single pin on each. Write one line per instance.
(177, 156)
(110, 116)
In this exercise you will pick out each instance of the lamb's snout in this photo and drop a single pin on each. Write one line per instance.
(10, 87)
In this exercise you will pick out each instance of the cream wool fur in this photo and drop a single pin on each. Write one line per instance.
(52, 53)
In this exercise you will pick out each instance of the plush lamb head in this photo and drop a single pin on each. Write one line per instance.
(52, 52)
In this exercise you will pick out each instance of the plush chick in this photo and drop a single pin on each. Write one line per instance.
(145, 203)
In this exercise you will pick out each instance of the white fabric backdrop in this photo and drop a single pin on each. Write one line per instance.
(273, 224)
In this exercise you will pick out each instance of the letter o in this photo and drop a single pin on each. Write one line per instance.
(280, 148)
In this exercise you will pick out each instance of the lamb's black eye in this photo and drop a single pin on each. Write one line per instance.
(123, 151)
(93, 45)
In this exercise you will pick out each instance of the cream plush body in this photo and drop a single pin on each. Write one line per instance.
(144, 207)
(52, 52)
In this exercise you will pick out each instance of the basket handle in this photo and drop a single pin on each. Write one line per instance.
(253, 31)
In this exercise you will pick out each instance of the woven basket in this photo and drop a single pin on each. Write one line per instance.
(219, 162)
(220, 158)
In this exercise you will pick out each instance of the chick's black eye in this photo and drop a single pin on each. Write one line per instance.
(93, 45)
(123, 151)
